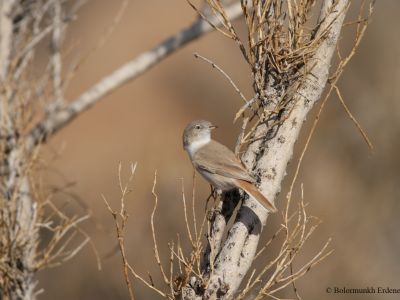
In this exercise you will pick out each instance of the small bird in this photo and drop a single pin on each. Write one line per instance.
(217, 164)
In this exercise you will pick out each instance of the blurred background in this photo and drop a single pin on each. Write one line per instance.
(353, 191)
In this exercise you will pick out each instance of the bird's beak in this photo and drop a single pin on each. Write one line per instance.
(213, 127)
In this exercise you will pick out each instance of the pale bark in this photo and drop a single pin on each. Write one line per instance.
(6, 28)
(17, 209)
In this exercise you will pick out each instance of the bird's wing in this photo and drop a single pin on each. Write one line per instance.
(218, 159)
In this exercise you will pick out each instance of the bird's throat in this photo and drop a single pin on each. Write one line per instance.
(194, 146)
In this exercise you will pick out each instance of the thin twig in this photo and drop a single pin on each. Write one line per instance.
(360, 129)
(153, 232)
(215, 66)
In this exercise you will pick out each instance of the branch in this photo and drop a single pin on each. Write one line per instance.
(129, 71)
(268, 158)
(58, 35)
(6, 28)
(219, 219)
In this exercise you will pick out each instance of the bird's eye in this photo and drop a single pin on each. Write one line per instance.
(197, 126)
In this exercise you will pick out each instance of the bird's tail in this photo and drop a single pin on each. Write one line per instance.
(252, 191)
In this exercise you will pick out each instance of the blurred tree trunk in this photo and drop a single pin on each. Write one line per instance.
(32, 108)
(18, 211)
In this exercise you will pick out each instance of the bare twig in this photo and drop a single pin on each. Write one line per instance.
(153, 232)
(120, 219)
(214, 65)
(360, 129)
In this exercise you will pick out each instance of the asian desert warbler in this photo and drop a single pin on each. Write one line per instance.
(217, 164)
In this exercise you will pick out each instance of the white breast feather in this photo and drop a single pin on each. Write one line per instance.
(196, 145)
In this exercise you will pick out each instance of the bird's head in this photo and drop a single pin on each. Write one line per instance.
(197, 133)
